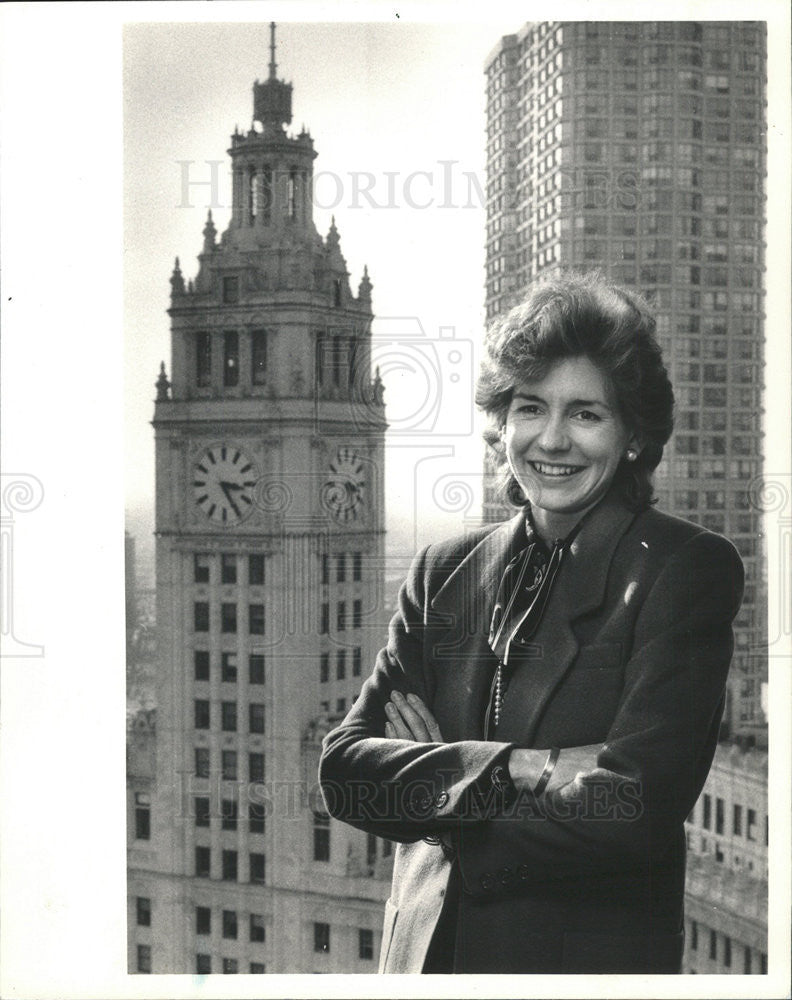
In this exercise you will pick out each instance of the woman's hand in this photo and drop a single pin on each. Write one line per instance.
(410, 719)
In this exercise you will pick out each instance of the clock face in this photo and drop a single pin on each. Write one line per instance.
(344, 491)
(224, 480)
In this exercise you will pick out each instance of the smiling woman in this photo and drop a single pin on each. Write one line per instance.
(546, 710)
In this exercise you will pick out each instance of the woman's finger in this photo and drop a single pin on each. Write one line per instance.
(429, 720)
(411, 718)
(401, 730)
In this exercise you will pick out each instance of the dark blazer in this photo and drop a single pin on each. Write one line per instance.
(632, 654)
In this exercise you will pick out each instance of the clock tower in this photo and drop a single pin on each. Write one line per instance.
(269, 437)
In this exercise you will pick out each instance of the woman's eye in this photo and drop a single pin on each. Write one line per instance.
(588, 415)
(528, 408)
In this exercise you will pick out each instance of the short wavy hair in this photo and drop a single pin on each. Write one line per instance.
(570, 315)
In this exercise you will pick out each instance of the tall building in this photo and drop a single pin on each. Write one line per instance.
(639, 148)
(269, 441)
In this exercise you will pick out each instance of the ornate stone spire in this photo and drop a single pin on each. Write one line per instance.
(177, 280)
(209, 234)
(364, 288)
(162, 384)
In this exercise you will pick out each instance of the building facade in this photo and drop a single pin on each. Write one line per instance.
(269, 437)
(727, 836)
(639, 148)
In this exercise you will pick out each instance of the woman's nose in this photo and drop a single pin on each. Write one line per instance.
(553, 436)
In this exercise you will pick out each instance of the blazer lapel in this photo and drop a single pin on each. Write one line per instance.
(579, 588)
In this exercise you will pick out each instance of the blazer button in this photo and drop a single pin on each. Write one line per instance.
(441, 800)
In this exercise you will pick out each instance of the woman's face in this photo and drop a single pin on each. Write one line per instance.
(564, 440)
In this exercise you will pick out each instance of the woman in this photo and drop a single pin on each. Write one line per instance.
(546, 710)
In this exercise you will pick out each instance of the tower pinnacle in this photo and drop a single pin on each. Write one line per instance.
(272, 99)
(273, 66)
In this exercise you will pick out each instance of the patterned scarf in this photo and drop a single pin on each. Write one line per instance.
(520, 602)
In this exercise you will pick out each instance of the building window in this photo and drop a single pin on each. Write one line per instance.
(321, 837)
(230, 811)
(144, 958)
(713, 945)
(202, 810)
(357, 661)
(727, 952)
(747, 960)
(341, 705)
(693, 935)
(258, 356)
(256, 719)
(143, 911)
(257, 929)
(228, 618)
(201, 616)
(228, 663)
(203, 359)
(229, 924)
(707, 821)
(231, 358)
(256, 569)
(228, 568)
(341, 568)
(202, 762)
(258, 967)
(256, 766)
(201, 662)
(256, 619)
(203, 920)
(750, 831)
(203, 964)
(324, 668)
(321, 937)
(325, 568)
(357, 566)
(340, 664)
(763, 963)
(202, 713)
(228, 765)
(357, 614)
(258, 868)
(256, 817)
(200, 567)
(365, 944)
(230, 289)
(230, 965)
(324, 621)
(202, 862)
(256, 668)
(720, 807)
(229, 866)
(341, 616)
(228, 716)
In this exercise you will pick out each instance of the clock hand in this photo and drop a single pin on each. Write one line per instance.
(226, 488)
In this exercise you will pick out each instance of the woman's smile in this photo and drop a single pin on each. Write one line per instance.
(564, 439)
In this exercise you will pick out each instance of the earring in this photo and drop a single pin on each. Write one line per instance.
(632, 454)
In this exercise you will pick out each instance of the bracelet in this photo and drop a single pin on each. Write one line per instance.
(549, 767)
